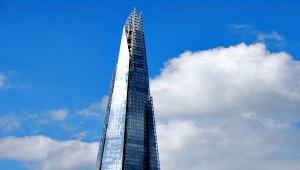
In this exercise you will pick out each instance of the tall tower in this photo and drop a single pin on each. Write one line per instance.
(129, 138)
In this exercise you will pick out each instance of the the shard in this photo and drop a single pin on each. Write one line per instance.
(128, 139)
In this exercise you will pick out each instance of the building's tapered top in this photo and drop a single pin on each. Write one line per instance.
(135, 21)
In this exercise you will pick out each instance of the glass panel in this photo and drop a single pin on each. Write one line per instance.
(112, 158)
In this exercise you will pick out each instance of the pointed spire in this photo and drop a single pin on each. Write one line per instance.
(141, 14)
(135, 20)
(141, 20)
(134, 12)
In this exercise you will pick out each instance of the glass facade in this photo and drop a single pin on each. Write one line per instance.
(129, 139)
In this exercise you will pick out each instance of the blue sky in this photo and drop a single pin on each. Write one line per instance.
(57, 57)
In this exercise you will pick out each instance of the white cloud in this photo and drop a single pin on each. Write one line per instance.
(80, 135)
(240, 26)
(12, 80)
(235, 79)
(9, 122)
(269, 36)
(229, 108)
(43, 153)
(261, 36)
(59, 114)
(230, 143)
(2, 81)
(95, 108)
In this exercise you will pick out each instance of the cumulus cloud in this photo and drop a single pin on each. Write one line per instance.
(44, 153)
(229, 108)
(232, 144)
(59, 114)
(234, 79)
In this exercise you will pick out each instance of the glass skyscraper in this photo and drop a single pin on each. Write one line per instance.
(129, 139)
